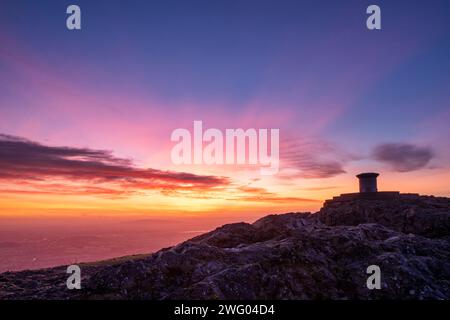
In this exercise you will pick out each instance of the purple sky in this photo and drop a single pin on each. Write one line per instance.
(345, 98)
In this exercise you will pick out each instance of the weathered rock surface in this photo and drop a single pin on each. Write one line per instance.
(422, 215)
(291, 256)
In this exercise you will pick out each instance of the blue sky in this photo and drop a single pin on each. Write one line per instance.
(310, 68)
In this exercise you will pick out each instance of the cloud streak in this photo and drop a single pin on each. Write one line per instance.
(403, 157)
(23, 161)
(313, 158)
(30, 168)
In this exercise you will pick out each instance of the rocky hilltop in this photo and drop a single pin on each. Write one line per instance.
(324, 255)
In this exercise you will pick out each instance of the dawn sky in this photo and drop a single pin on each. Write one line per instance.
(86, 115)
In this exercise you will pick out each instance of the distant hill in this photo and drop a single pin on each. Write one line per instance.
(290, 256)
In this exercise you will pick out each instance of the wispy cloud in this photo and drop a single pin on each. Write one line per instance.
(313, 158)
(27, 162)
(403, 157)
(31, 168)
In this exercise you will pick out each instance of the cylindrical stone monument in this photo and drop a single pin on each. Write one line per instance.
(368, 182)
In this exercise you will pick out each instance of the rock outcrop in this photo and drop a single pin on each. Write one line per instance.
(291, 256)
(407, 213)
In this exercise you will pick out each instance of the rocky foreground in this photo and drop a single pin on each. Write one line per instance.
(291, 256)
